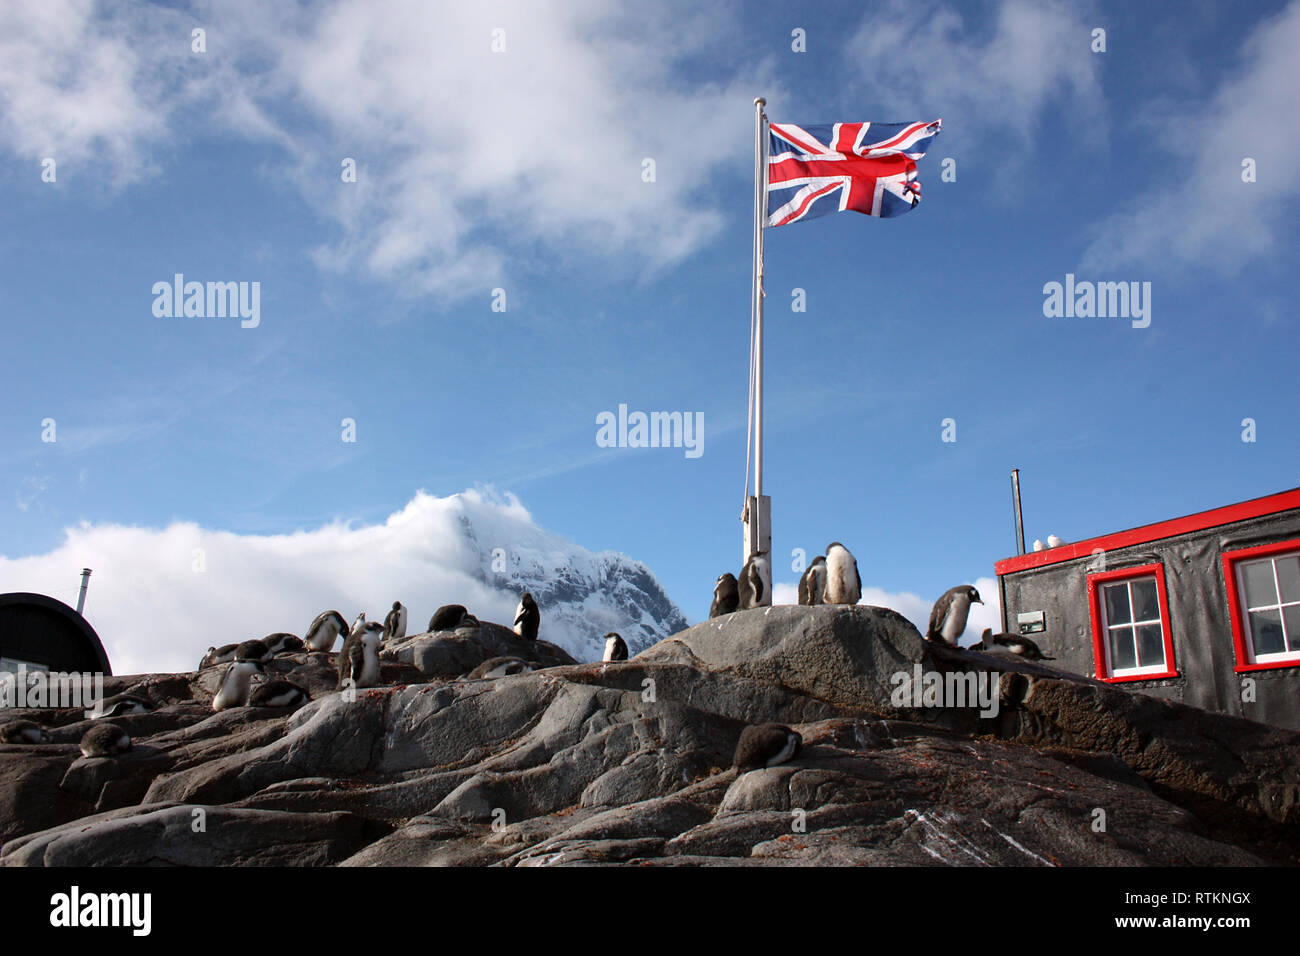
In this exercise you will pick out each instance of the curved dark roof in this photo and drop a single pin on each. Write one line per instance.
(42, 630)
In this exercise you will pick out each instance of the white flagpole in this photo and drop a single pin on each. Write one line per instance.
(757, 514)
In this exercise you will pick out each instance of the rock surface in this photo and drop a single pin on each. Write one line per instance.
(630, 762)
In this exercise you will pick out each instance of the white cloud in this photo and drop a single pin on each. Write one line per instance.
(155, 612)
(467, 158)
(916, 608)
(1209, 216)
(1036, 58)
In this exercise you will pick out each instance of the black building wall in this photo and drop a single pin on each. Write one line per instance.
(41, 630)
(1199, 618)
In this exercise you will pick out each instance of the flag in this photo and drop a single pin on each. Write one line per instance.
(867, 167)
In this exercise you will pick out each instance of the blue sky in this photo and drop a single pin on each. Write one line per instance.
(521, 170)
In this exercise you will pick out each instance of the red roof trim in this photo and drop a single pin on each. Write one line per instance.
(1255, 508)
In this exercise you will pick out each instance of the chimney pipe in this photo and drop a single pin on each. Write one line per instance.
(1020, 521)
(85, 583)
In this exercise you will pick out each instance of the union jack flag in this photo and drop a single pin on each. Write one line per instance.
(867, 167)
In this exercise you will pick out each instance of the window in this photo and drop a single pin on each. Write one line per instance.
(1263, 587)
(1130, 624)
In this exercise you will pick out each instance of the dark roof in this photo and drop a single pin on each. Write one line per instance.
(42, 630)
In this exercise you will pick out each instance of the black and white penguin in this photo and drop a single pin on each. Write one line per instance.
(358, 623)
(615, 648)
(766, 745)
(105, 740)
(527, 618)
(948, 616)
(726, 596)
(124, 705)
(447, 618)
(843, 585)
(218, 655)
(254, 650)
(395, 623)
(283, 643)
(755, 584)
(325, 630)
(1014, 643)
(812, 586)
(235, 685)
(23, 732)
(500, 667)
(278, 693)
(359, 659)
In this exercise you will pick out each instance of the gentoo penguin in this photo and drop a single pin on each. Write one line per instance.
(282, 643)
(359, 659)
(500, 667)
(255, 650)
(726, 596)
(218, 655)
(395, 623)
(766, 745)
(813, 583)
(755, 584)
(23, 732)
(105, 740)
(235, 684)
(615, 648)
(1014, 643)
(449, 617)
(325, 630)
(278, 693)
(1053, 541)
(843, 586)
(358, 623)
(527, 618)
(948, 617)
(123, 705)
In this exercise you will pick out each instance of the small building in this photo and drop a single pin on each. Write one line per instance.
(40, 633)
(1203, 609)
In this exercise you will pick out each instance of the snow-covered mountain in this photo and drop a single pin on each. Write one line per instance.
(582, 594)
(161, 596)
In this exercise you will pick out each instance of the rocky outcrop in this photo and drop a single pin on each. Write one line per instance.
(631, 762)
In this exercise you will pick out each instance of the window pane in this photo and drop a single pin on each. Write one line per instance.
(1288, 575)
(1117, 610)
(1145, 605)
(1121, 648)
(1257, 578)
(1151, 645)
(1293, 626)
(1266, 629)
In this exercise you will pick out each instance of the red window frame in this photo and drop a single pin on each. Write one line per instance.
(1230, 561)
(1099, 657)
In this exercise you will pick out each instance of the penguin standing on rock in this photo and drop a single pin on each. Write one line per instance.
(235, 685)
(755, 584)
(528, 619)
(843, 585)
(766, 745)
(359, 659)
(395, 623)
(23, 732)
(325, 630)
(615, 648)
(105, 740)
(812, 586)
(726, 596)
(449, 617)
(948, 616)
